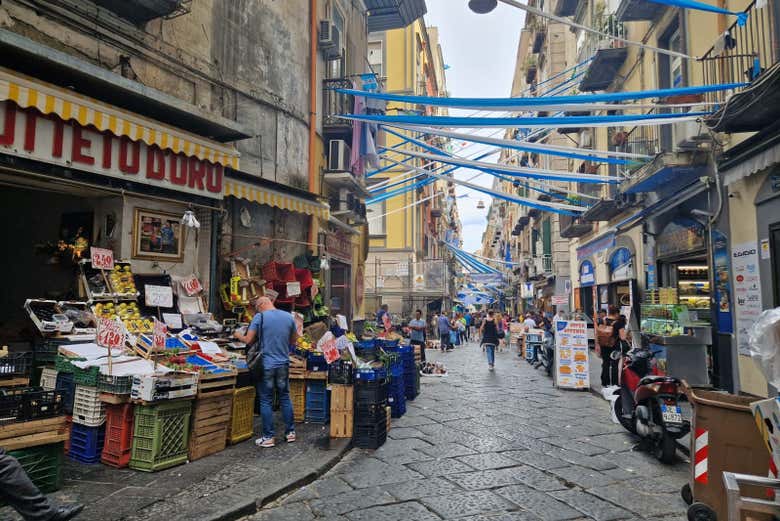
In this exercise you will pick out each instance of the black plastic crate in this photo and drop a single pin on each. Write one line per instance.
(16, 365)
(341, 372)
(66, 386)
(370, 436)
(46, 349)
(370, 392)
(369, 414)
(29, 403)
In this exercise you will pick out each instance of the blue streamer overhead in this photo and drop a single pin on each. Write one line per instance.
(701, 6)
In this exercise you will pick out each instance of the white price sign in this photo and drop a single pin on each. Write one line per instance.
(102, 259)
(110, 333)
(158, 296)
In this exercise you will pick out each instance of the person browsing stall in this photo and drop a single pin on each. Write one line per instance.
(276, 331)
(417, 335)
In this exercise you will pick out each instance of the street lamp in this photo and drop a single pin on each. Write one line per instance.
(482, 6)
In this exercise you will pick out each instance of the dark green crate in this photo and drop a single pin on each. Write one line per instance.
(88, 376)
(115, 384)
(43, 464)
(160, 435)
(63, 364)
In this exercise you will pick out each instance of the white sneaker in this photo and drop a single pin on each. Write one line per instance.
(291, 437)
(265, 443)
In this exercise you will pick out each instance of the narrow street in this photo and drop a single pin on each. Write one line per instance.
(500, 446)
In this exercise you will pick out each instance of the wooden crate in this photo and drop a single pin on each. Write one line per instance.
(15, 436)
(316, 375)
(209, 425)
(342, 397)
(220, 384)
(14, 382)
(341, 424)
(388, 412)
(297, 368)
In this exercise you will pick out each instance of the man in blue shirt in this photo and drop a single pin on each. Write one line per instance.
(380, 316)
(417, 336)
(277, 330)
(444, 331)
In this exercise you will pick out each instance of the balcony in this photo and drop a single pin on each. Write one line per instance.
(667, 173)
(384, 15)
(639, 11)
(335, 103)
(565, 7)
(141, 11)
(608, 55)
(745, 54)
(541, 266)
(539, 35)
(572, 227)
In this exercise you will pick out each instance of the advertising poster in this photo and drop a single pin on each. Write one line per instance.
(747, 290)
(571, 354)
(722, 276)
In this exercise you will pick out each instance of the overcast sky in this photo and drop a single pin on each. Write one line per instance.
(480, 51)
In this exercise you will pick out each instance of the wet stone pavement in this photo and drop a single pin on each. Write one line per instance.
(493, 446)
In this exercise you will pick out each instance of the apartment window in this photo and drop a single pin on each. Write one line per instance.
(375, 58)
(671, 74)
(338, 68)
(546, 237)
(377, 224)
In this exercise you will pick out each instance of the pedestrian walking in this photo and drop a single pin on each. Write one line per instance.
(611, 335)
(490, 338)
(275, 331)
(17, 490)
(444, 332)
(417, 335)
(529, 322)
(380, 316)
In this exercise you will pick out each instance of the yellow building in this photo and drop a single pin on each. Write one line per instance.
(406, 266)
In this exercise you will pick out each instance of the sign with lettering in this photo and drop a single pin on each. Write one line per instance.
(102, 259)
(747, 291)
(159, 334)
(158, 296)
(28, 133)
(293, 289)
(571, 354)
(110, 333)
(339, 246)
(191, 285)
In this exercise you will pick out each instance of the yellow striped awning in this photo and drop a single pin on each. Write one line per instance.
(257, 194)
(49, 99)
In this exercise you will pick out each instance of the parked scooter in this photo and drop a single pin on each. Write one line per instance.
(547, 353)
(647, 403)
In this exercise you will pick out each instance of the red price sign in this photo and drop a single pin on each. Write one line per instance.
(158, 334)
(110, 333)
(330, 351)
(386, 322)
(102, 259)
(192, 285)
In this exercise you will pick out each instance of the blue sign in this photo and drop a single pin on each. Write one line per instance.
(621, 257)
(652, 280)
(600, 244)
(587, 274)
(722, 276)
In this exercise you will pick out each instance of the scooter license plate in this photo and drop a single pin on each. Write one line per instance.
(671, 414)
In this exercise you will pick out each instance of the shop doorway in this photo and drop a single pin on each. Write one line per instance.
(340, 276)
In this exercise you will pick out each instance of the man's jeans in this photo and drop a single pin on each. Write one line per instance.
(490, 349)
(276, 378)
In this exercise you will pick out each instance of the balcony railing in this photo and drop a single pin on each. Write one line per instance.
(608, 54)
(742, 53)
(335, 103)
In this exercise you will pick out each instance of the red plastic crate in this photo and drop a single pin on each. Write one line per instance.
(112, 460)
(281, 289)
(302, 301)
(119, 429)
(304, 277)
(279, 271)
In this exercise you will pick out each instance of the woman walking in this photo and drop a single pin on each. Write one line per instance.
(490, 338)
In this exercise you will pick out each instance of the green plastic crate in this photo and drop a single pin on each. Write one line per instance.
(87, 377)
(160, 435)
(115, 384)
(63, 364)
(43, 464)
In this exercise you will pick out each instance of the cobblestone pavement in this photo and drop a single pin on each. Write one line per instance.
(494, 446)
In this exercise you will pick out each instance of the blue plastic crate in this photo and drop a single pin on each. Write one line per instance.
(316, 362)
(397, 409)
(317, 415)
(86, 443)
(366, 344)
(385, 344)
(66, 386)
(371, 375)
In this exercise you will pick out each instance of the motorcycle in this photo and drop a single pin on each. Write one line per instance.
(647, 403)
(546, 354)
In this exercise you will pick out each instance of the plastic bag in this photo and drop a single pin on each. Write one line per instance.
(763, 342)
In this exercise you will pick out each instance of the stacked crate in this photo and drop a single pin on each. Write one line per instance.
(317, 408)
(298, 399)
(410, 370)
(119, 435)
(370, 431)
(396, 394)
(342, 407)
(210, 424)
(86, 443)
(242, 415)
(160, 435)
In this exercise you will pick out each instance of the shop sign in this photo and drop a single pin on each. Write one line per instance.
(747, 291)
(620, 265)
(559, 300)
(527, 290)
(722, 277)
(28, 133)
(158, 334)
(158, 296)
(571, 354)
(600, 244)
(110, 333)
(102, 259)
(191, 285)
(339, 246)
(680, 236)
(587, 273)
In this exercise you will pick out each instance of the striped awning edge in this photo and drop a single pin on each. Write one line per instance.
(267, 197)
(49, 99)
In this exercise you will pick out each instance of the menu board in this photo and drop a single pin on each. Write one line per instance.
(571, 354)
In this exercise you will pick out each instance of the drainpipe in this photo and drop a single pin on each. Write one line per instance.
(313, 112)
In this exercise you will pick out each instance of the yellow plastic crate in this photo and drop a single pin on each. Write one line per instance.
(242, 420)
(298, 398)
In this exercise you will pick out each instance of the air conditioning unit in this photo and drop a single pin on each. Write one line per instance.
(339, 155)
(329, 40)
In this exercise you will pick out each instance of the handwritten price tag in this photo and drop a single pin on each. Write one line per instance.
(330, 351)
(110, 333)
(102, 259)
(158, 334)
(158, 296)
(192, 285)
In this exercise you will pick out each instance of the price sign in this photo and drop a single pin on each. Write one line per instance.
(330, 350)
(192, 285)
(293, 289)
(386, 322)
(102, 259)
(110, 333)
(158, 296)
(158, 334)
(298, 323)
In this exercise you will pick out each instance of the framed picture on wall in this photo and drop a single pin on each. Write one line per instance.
(157, 236)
